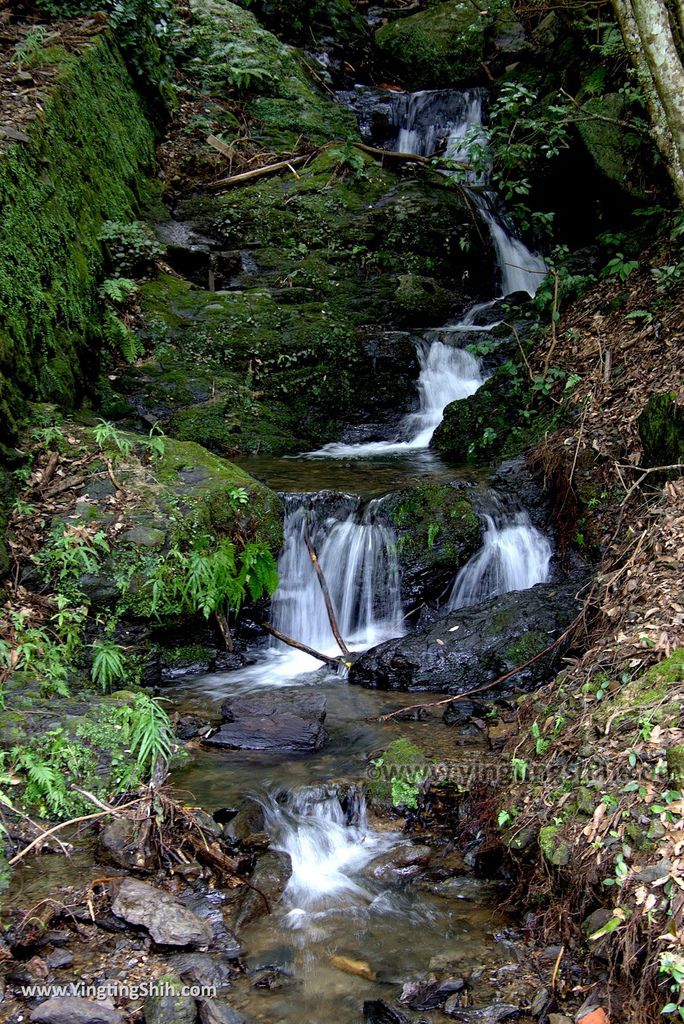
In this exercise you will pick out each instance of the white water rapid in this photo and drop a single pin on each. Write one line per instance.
(329, 845)
(515, 555)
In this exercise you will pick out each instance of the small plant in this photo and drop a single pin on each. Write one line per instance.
(672, 967)
(238, 497)
(620, 266)
(109, 663)
(132, 248)
(148, 735)
(156, 441)
(540, 744)
(110, 441)
(519, 769)
(29, 51)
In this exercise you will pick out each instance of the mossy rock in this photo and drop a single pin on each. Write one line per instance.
(402, 762)
(468, 421)
(614, 150)
(675, 763)
(555, 850)
(647, 696)
(228, 49)
(437, 532)
(422, 299)
(441, 46)
(171, 500)
(661, 429)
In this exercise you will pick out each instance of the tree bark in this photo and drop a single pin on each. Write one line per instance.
(649, 37)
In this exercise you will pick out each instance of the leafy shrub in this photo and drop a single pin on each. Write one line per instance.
(132, 248)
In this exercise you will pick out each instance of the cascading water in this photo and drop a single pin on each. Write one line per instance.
(425, 122)
(358, 557)
(328, 846)
(515, 555)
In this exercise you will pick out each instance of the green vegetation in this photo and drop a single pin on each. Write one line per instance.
(397, 775)
(50, 324)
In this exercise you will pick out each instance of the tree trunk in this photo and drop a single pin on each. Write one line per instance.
(649, 36)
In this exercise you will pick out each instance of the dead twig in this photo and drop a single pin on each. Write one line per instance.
(326, 658)
(326, 593)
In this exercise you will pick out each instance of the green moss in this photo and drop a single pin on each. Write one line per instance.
(529, 645)
(555, 851)
(436, 526)
(661, 429)
(615, 151)
(190, 654)
(441, 46)
(82, 165)
(402, 762)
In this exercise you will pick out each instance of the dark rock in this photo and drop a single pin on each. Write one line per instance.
(284, 720)
(472, 647)
(376, 1011)
(399, 864)
(170, 1007)
(144, 537)
(430, 993)
(121, 844)
(201, 969)
(186, 727)
(59, 958)
(269, 879)
(211, 1011)
(168, 921)
(73, 1010)
(248, 821)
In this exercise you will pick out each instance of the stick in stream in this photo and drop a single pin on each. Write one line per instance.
(326, 593)
(328, 659)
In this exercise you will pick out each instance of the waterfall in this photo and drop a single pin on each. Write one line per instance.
(446, 374)
(515, 555)
(328, 846)
(358, 557)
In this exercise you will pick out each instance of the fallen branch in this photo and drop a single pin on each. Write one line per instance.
(65, 824)
(328, 659)
(488, 686)
(259, 172)
(296, 161)
(326, 593)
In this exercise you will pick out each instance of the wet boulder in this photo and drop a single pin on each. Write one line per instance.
(399, 864)
(376, 1011)
(213, 1011)
(472, 647)
(268, 883)
(282, 720)
(164, 917)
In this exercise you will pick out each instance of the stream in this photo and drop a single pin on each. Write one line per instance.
(334, 906)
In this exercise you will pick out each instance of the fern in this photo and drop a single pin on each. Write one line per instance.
(149, 735)
(109, 663)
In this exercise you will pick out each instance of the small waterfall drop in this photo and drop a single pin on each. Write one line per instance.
(358, 557)
(515, 555)
(328, 846)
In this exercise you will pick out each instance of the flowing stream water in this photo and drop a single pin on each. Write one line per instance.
(333, 905)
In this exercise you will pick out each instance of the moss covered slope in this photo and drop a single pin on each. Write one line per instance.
(82, 165)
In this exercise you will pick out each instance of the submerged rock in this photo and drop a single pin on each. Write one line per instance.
(471, 647)
(399, 864)
(212, 1011)
(285, 720)
(376, 1011)
(168, 921)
